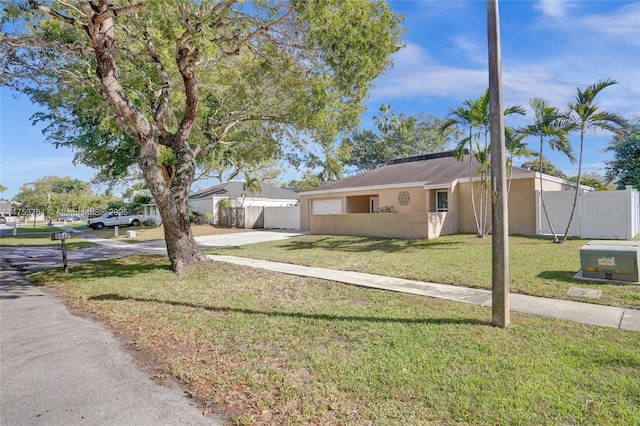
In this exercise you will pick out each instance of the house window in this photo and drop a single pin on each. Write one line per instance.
(442, 202)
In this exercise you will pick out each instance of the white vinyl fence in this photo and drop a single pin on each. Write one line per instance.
(603, 214)
(285, 217)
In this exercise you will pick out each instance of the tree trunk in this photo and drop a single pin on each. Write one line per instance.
(575, 199)
(473, 200)
(544, 207)
(172, 202)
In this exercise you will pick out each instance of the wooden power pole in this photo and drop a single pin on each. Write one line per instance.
(499, 201)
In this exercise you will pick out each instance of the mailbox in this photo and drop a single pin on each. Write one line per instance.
(610, 260)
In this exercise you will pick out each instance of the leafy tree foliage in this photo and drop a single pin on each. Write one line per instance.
(308, 182)
(516, 148)
(397, 135)
(163, 84)
(624, 169)
(544, 166)
(54, 195)
(593, 179)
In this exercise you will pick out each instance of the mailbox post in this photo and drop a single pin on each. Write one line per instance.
(63, 236)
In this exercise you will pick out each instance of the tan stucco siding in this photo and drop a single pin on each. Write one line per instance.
(466, 221)
(459, 218)
(357, 201)
(386, 225)
(522, 205)
(416, 199)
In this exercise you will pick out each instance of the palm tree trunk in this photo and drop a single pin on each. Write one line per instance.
(473, 200)
(544, 207)
(575, 199)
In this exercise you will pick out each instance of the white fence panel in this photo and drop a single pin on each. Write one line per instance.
(286, 217)
(605, 215)
(602, 214)
(558, 204)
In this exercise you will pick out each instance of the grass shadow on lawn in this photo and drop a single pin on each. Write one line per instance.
(564, 276)
(354, 244)
(298, 315)
(125, 267)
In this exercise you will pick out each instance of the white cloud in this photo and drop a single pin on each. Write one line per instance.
(622, 26)
(554, 8)
(472, 48)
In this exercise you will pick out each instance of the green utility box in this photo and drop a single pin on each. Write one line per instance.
(610, 260)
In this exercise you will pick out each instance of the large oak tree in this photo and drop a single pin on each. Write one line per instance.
(165, 83)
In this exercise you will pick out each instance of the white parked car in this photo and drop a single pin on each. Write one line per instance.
(115, 219)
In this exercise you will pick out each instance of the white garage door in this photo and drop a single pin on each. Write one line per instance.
(327, 206)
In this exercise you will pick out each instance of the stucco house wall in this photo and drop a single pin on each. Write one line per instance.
(411, 187)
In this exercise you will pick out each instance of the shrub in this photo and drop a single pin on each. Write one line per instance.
(385, 209)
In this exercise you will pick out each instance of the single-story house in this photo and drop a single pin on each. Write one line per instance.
(206, 200)
(430, 194)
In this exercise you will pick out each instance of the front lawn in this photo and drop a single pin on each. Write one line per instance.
(538, 267)
(39, 236)
(274, 349)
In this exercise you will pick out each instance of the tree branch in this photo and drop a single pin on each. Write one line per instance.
(112, 12)
(18, 42)
(244, 41)
(55, 14)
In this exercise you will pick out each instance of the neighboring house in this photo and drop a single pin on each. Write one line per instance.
(429, 193)
(206, 200)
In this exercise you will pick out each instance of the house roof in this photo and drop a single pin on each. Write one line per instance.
(235, 189)
(439, 168)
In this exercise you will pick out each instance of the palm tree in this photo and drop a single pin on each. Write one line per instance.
(480, 113)
(332, 165)
(587, 117)
(549, 122)
(462, 118)
(475, 115)
(515, 147)
(251, 184)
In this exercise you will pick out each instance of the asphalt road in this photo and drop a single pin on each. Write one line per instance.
(57, 368)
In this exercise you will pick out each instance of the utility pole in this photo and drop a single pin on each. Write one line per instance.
(500, 316)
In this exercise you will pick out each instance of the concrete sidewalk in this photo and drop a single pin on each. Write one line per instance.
(57, 368)
(587, 313)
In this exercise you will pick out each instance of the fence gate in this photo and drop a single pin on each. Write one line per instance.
(242, 217)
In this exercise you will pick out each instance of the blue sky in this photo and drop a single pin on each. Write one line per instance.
(549, 48)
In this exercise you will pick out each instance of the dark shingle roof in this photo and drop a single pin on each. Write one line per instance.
(428, 169)
(235, 189)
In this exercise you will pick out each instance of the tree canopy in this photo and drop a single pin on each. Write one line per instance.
(396, 135)
(164, 84)
(53, 195)
(624, 168)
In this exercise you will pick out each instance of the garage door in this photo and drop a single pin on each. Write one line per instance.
(327, 206)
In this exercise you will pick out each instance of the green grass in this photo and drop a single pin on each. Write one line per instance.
(40, 236)
(268, 348)
(537, 266)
